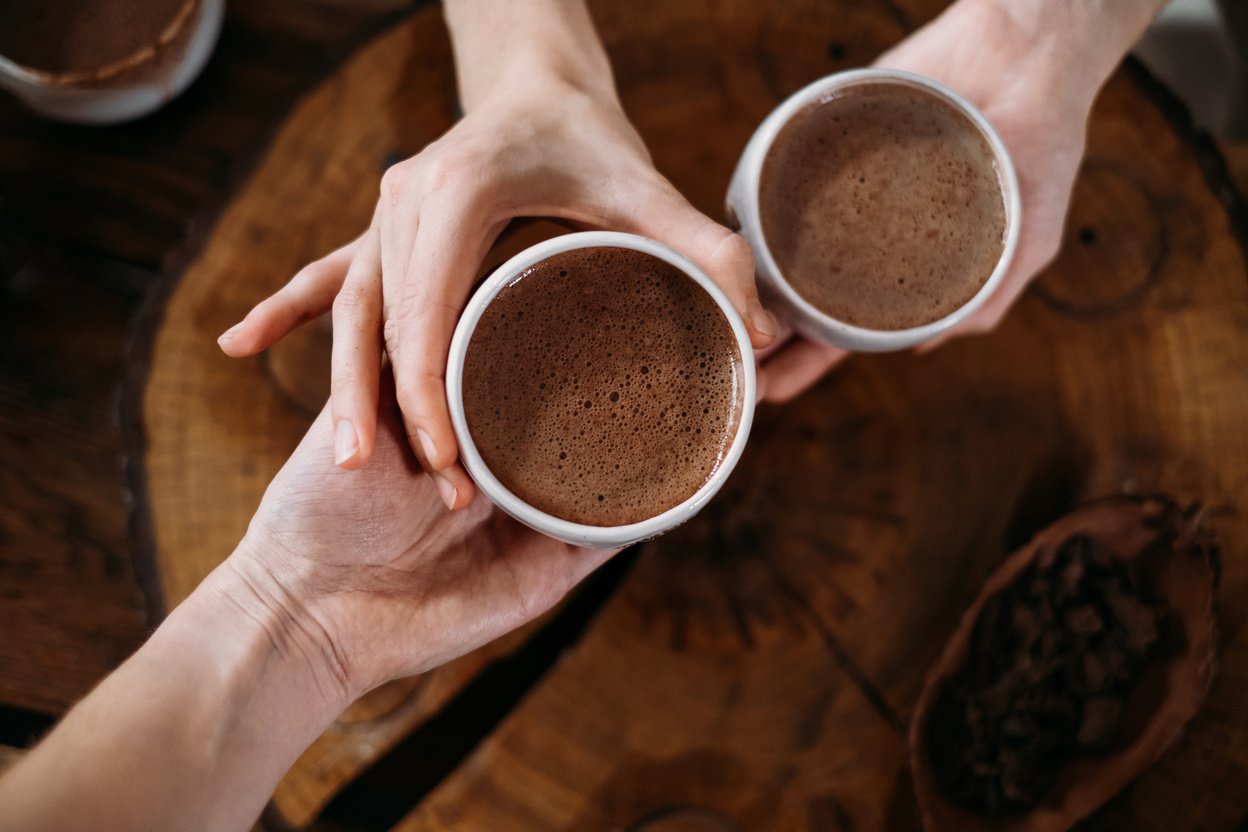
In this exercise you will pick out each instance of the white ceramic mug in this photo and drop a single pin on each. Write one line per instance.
(130, 87)
(598, 537)
(801, 314)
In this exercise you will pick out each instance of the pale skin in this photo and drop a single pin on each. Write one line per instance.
(352, 575)
(1034, 68)
(545, 135)
(344, 580)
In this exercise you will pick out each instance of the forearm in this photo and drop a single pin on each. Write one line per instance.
(1078, 42)
(520, 41)
(192, 732)
(1113, 24)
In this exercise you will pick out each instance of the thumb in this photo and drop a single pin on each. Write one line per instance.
(725, 256)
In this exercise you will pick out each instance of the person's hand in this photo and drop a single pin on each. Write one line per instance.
(373, 580)
(1035, 80)
(344, 580)
(534, 145)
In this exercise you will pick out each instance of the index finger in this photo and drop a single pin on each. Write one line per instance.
(441, 267)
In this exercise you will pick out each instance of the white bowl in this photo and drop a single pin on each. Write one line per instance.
(128, 88)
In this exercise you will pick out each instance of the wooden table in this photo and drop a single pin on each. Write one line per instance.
(88, 218)
(756, 668)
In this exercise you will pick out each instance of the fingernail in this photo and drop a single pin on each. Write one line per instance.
(446, 490)
(761, 320)
(230, 333)
(426, 445)
(345, 442)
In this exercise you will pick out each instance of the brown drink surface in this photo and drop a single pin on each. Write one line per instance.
(80, 35)
(603, 386)
(882, 206)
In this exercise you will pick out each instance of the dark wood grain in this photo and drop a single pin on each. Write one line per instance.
(68, 601)
(132, 191)
(76, 204)
(188, 443)
(757, 668)
(202, 473)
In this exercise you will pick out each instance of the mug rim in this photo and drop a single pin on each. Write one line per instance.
(582, 533)
(142, 55)
(852, 336)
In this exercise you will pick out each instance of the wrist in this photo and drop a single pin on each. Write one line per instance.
(192, 732)
(262, 662)
(222, 694)
(1069, 47)
(276, 626)
(526, 43)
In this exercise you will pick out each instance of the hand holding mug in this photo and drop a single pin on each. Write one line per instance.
(1033, 69)
(544, 137)
(371, 580)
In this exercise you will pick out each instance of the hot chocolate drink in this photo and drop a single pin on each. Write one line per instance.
(882, 206)
(603, 386)
(81, 35)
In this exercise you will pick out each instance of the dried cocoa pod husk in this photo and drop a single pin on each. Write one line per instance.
(1178, 561)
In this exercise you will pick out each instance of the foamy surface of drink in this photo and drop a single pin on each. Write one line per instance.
(603, 386)
(882, 206)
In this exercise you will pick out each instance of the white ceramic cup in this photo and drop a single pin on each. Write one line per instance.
(128, 88)
(801, 314)
(598, 537)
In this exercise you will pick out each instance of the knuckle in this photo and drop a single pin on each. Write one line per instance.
(732, 254)
(342, 384)
(313, 272)
(450, 167)
(394, 182)
(390, 338)
(412, 406)
(420, 394)
(410, 298)
(350, 302)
